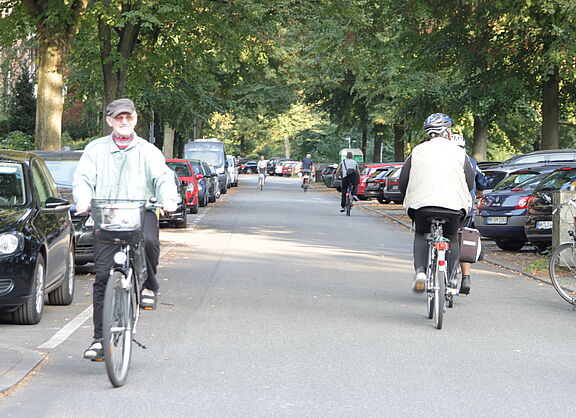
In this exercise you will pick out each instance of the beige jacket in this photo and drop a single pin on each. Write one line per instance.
(437, 173)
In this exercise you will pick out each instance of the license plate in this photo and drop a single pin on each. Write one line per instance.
(496, 220)
(543, 224)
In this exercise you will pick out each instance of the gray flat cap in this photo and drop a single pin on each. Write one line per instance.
(120, 106)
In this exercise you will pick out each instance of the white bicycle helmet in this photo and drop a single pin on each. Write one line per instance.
(437, 124)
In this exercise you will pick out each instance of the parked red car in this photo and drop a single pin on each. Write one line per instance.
(369, 186)
(185, 172)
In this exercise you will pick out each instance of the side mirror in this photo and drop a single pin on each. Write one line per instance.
(56, 203)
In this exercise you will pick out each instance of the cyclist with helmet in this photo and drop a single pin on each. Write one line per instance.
(435, 181)
(479, 184)
(307, 164)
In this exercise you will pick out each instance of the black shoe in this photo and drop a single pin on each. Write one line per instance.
(465, 285)
(342, 209)
(95, 352)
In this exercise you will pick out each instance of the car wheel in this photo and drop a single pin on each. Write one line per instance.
(382, 200)
(31, 311)
(183, 223)
(249, 171)
(194, 209)
(212, 198)
(507, 245)
(224, 190)
(217, 194)
(541, 246)
(64, 294)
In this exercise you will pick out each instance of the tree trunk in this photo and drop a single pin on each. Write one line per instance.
(364, 141)
(49, 104)
(399, 142)
(168, 144)
(115, 70)
(550, 93)
(378, 138)
(286, 146)
(480, 140)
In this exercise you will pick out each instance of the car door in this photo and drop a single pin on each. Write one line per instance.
(52, 224)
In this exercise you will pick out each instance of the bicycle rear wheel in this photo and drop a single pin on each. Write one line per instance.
(117, 329)
(563, 271)
(430, 273)
(348, 203)
(439, 297)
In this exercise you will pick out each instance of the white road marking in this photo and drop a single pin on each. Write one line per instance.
(67, 330)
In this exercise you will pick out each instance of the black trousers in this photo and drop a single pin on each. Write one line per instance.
(346, 181)
(449, 229)
(103, 261)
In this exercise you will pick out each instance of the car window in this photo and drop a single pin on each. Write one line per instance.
(62, 171)
(181, 169)
(559, 180)
(42, 182)
(531, 183)
(527, 159)
(11, 185)
(562, 156)
(513, 180)
(493, 178)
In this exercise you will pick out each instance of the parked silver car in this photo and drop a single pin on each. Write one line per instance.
(232, 170)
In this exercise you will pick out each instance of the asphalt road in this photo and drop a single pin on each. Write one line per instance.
(275, 304)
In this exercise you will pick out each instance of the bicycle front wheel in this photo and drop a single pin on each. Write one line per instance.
(439, 297)
(117, 329)
(563, 271)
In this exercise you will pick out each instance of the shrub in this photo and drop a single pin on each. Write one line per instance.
(17, 140)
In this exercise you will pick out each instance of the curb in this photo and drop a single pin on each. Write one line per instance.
(485, 259)
(15, 365)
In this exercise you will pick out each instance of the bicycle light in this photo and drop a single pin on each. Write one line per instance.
(120, 257)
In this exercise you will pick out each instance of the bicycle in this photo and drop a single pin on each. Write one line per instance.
(305, 181)
(349, 203)
(440, 287)
(562, 265)
(119, 222)
(261, 179)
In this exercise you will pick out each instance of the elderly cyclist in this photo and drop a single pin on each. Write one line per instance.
(436, 180)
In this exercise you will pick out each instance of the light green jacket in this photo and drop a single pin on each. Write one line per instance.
(137, 173)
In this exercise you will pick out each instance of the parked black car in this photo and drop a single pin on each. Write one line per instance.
(391, 192)
(178, 218)
(328, 175)
(36, 239)
(62, 165)
(271, 165)
(248, 167)
(538, 223)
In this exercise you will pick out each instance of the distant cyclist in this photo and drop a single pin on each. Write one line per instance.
(307, 165)
(479, 184)
(435, 181)
(350, 172)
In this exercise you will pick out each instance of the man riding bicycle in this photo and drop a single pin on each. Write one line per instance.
(435, 181)
(261, 168)
(123, 166)
(307, 164)
(350, 173)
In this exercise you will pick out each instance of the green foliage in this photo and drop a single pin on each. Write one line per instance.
(17, 140)
(22, 107)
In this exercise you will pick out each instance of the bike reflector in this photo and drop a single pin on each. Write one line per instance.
(441, 245)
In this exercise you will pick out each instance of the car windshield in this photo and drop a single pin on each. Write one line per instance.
(513, 180)
(181, 169)
(11, 185)
(493, 178)
(213, 158)
(559, 180)
(62, 171)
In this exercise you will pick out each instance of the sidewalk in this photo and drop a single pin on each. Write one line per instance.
(15, 364)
